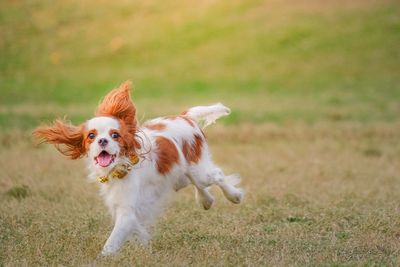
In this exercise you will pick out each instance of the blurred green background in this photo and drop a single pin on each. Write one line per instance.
(314, 86)
(270, 61)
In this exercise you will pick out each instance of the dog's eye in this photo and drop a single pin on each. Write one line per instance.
(91, 136)
(114, 135)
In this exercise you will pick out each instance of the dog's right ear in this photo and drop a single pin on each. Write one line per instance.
(118, 104)
(67, 138)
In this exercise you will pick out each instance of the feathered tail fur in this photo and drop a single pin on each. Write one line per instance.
(206, 115)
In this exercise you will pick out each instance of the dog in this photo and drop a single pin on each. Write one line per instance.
(138, 168)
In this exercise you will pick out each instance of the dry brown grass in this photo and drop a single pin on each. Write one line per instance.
(322, 194)
(322, 187)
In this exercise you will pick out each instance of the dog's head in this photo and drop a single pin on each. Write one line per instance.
(110, 135)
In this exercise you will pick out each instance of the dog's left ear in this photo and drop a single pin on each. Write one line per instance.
(118, 104)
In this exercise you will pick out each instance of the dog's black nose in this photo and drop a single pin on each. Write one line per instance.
(103, 142)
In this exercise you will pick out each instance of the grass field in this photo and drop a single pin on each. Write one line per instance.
(315, 91)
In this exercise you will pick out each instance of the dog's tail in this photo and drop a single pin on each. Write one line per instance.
(206, 115)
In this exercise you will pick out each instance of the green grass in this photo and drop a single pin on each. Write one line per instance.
(314, 87)
(335, 64)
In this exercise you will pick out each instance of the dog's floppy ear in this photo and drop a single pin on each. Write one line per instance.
(118, 104)
(67, 138)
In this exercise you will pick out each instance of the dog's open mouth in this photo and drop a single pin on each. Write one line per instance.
(104, 159)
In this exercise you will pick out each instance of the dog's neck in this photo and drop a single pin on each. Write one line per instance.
(118, 171)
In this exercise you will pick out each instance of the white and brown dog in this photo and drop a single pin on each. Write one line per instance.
(138, 168)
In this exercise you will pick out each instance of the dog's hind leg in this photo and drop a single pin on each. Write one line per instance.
(205, 197)
(227, 185)
(202, 193)
(205, 173)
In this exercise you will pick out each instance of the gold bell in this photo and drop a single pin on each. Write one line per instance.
(103, 179)
(134, 159)
(118, 174)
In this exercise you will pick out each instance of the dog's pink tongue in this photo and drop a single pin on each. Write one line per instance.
(104, 159)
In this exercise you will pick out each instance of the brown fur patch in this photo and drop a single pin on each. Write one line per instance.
(86, 140)
(192, 152)
(167, 155)
(156, 126)
(67, 138)
(127, 141)
(118, 104)
(186, 118)
(123, 139)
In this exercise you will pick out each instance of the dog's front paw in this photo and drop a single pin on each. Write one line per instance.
(108, 251)
(144, 238)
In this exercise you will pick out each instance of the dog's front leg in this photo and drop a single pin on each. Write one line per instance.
(126, 223)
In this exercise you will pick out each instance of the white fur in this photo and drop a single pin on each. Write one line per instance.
(136, 201)
(208, 114)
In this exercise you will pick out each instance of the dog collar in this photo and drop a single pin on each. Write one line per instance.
(120, 170)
